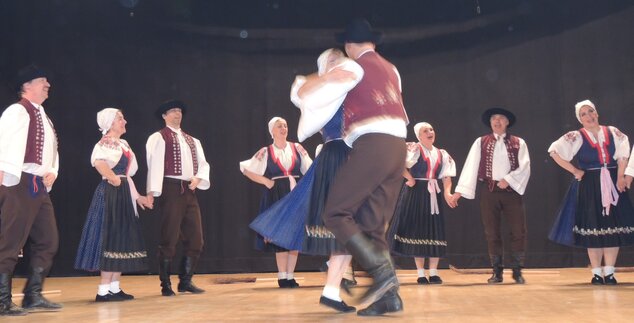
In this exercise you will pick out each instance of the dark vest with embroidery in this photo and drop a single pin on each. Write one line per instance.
(35, 138)
(173, 162)
(590, 156)
(376, 95)
(487, 146)
(423, 165)
(274, 167)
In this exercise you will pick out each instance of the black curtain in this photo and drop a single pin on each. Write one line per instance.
(537, 61)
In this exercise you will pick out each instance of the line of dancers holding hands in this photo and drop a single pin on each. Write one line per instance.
(596, 213)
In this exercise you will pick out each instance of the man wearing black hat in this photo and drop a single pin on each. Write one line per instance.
(28, 169)
(176, 168)
(498, 163)
(362, 197)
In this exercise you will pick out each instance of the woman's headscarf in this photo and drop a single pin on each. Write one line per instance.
(105, 118)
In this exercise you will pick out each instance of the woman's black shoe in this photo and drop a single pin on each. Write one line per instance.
(292, 283)
(598, 280)
(609, 279)
(283, 283)
(422, 281)
(435, 280)
(338, 306)
(123, 295)
(110, 297)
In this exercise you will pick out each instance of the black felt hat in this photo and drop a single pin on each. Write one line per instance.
(171, 104)
(486, 116)
(27, 74)
(359, 31)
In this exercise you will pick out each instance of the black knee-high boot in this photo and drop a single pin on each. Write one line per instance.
(378, 265)
(33, 299)
(187, 272)
(164, 276)
(498, 270)
(7, 307)
(518, 264)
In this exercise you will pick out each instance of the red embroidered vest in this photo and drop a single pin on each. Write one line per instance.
(35, 138)
(376, 95)
(173, 165)
(487, 146)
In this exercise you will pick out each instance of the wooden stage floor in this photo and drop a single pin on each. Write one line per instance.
(550, 295)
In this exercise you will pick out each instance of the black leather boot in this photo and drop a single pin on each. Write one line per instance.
(389, 302)
(518, 264)
(33, 299)
(187, 271)
(498, 270)
(164, 276)
(377, 264)
(7, 307)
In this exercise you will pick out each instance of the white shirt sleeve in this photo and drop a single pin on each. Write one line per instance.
(203, 167)
(413, 152)
(448, 165)
(155, 154)
(567, 145)
(518, 178)
(629, 170)
(257, 164)
(14, 130)
(306, 160)
(469, 176)
(621, 144)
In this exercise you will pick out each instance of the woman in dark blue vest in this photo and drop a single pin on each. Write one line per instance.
(601, 208)
(278, 167)
(418, 226)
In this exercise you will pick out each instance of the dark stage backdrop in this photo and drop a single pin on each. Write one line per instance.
(536, 58)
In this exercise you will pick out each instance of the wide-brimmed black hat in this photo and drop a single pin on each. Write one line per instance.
(171, 104)
(486, 116)
(26, 74)
(359, 31)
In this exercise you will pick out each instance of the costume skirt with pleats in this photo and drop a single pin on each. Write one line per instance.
(593, 228)
(562, 229)
(269, 200)
(295, 222)
(319, 240)
(414, 231)
(111, 239)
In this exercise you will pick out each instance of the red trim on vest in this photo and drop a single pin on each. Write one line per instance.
(596, 146)
(286, 172)
(128, 155)
(431, 171)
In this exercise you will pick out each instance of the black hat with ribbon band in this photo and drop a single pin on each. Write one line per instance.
(27, 74)
(486, 116)
(168, 105)
(359, 31)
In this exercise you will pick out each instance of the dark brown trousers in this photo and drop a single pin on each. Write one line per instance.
(363, 194)
(23, 216)
(495, 205)
(180, 220)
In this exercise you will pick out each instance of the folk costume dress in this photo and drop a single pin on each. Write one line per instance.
(111, 239)
(603, 217)
(285, 166)
(418, 225)
(295, 221)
